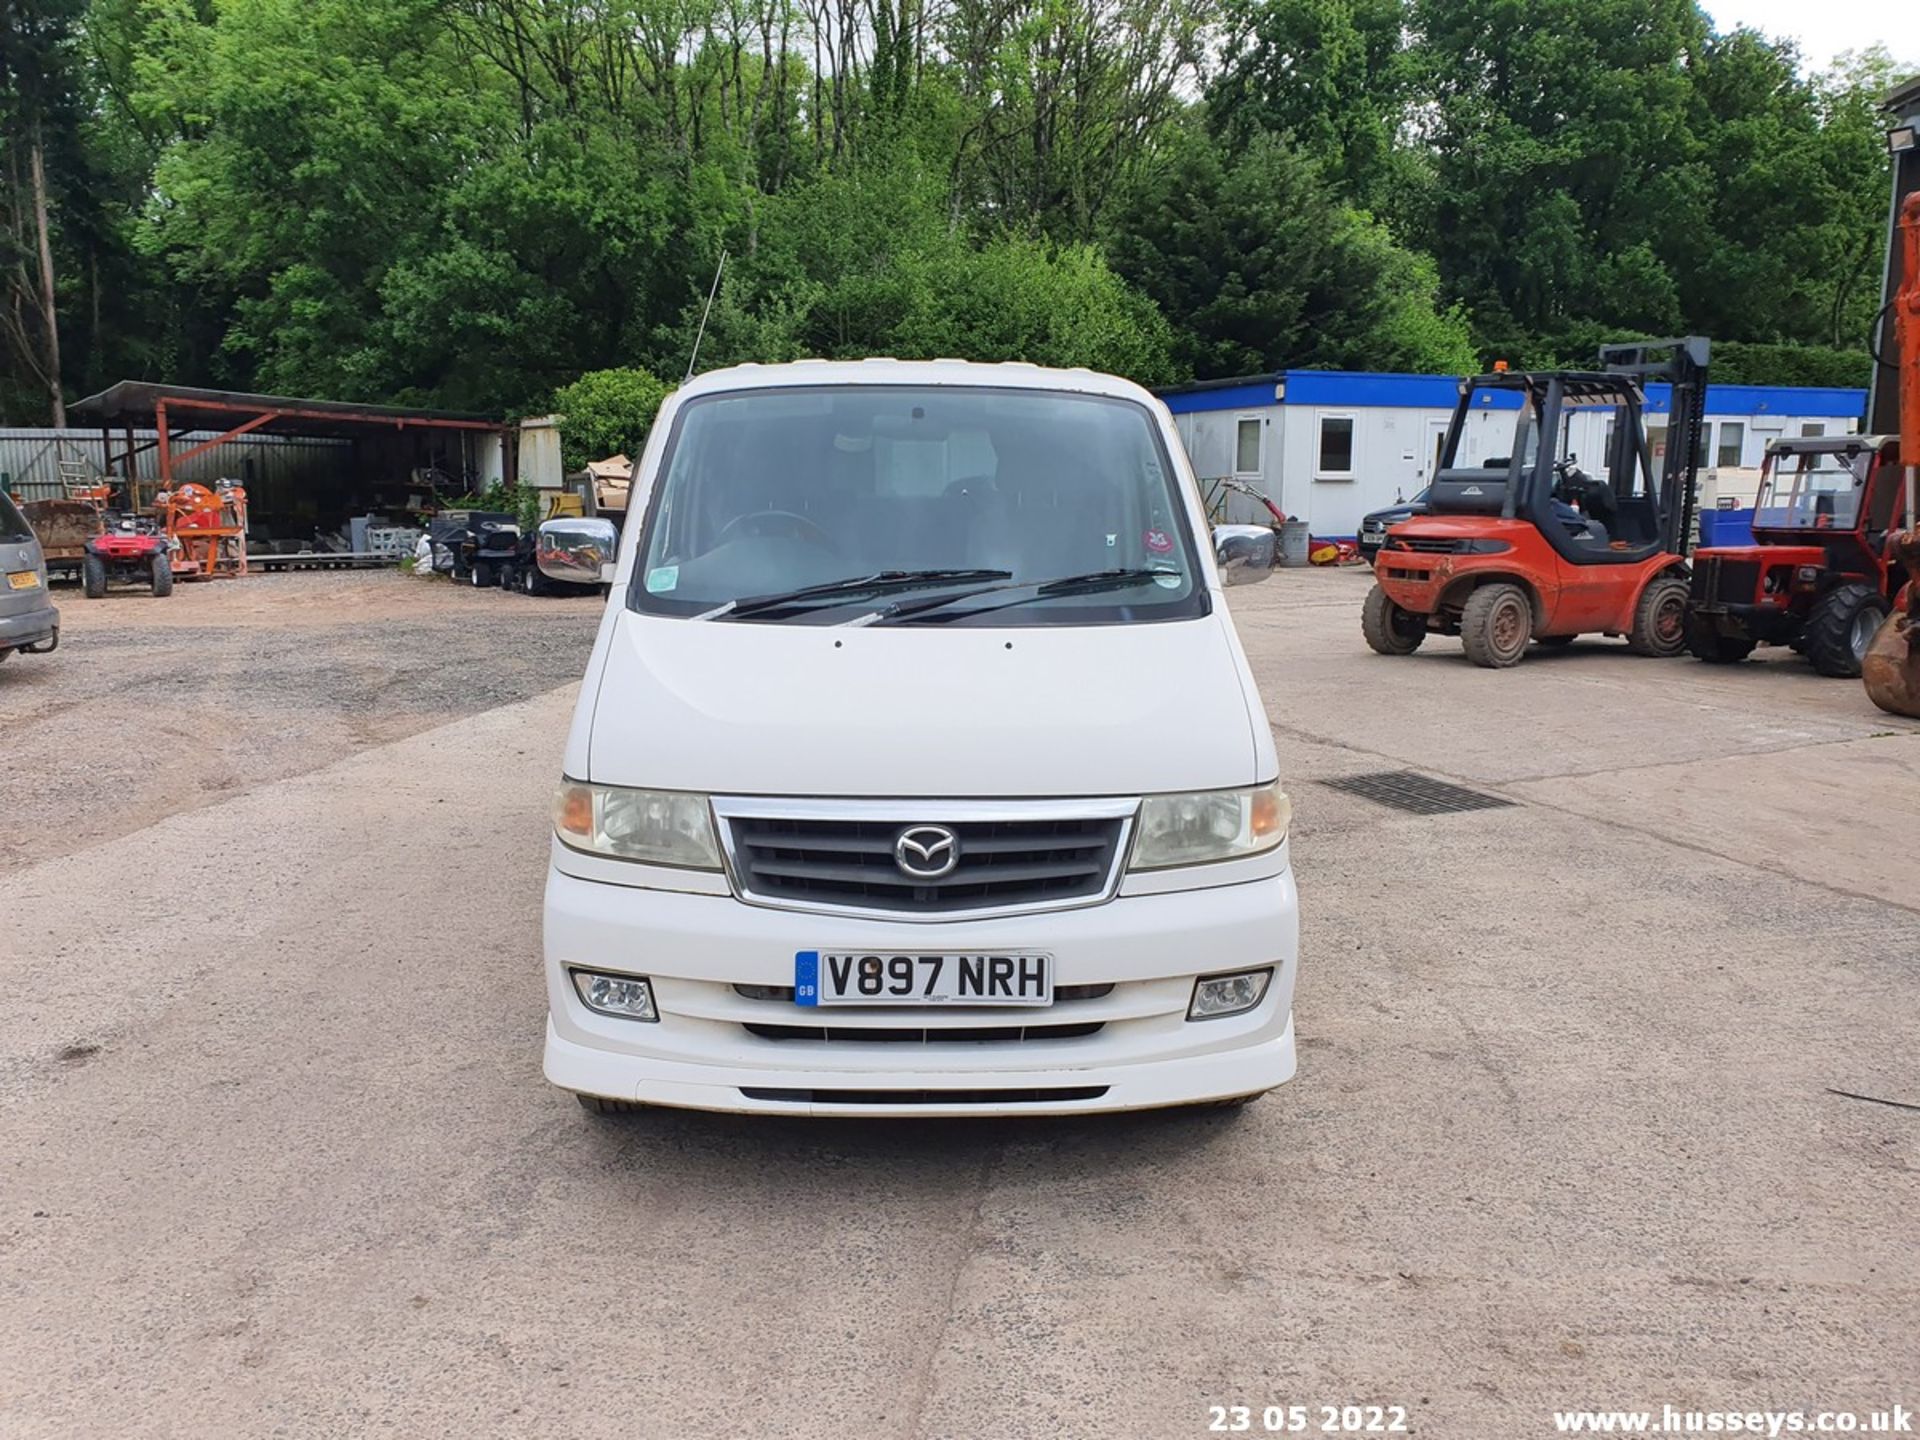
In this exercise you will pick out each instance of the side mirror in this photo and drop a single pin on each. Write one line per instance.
(1244, 553)
(575, 551)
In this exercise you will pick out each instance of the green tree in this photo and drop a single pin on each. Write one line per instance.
(606, 413)
(1258, 264)
(863, 261)
(1335, 75)
(40, 103)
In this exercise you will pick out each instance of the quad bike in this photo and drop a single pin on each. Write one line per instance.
(135, 552)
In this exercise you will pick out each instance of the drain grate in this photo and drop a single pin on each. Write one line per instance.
(1415, 793)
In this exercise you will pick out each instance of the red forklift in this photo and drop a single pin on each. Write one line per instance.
(1818, 576)
(1530, 548)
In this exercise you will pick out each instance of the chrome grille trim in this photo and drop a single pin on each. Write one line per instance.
(1100, 878)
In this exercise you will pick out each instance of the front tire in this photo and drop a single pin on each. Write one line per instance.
(162, 575)
(1495, 626)
(482, 574)
(1706, 643)
(529, 581)
(1389, 630)
(1660, 619)
(1841, 628)
(604, 1105)
(93, 577)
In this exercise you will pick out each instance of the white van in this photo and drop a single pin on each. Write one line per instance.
(917, 769)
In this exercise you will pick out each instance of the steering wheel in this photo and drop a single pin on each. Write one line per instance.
(755, 523)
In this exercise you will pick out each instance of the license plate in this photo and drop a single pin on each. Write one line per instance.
(824, 977)
(23, 580)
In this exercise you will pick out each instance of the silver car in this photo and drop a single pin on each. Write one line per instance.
(28, 621)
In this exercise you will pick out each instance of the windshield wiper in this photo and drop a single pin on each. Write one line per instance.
(1090, 583)
(883, 582)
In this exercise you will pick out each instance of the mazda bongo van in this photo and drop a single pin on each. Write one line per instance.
(917, 769)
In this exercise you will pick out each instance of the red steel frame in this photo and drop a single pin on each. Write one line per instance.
(265, 416)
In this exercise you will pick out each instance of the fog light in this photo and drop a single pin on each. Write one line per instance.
(628, 996)
(1215, 996)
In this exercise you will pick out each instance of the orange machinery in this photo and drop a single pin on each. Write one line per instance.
(209, 528)
(1891, 667)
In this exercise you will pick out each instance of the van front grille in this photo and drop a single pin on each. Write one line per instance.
(849, 863)
(1062, 994)
(918, 1035)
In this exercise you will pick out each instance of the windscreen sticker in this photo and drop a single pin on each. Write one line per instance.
(1168, 579)
(1158, 541)
(662, 578)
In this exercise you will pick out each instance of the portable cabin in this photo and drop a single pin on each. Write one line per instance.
(1329, 445)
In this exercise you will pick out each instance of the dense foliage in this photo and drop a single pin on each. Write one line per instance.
(606, 413)
(475, 203)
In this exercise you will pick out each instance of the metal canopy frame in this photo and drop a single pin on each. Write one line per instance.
(182, 410)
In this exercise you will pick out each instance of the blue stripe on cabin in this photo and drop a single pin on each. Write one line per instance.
(1221, 397)
(1365, 390)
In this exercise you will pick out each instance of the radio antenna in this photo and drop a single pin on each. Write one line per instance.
(700, 334)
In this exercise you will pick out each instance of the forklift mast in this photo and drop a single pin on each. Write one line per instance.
(1682, 363)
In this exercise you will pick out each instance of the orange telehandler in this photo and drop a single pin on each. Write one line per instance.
(1891, 667)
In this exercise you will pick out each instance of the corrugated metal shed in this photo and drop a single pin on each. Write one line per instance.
(31, 458)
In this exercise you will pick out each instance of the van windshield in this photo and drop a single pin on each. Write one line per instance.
(765, 492)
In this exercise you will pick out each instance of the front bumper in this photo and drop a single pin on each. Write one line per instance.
(701, 1053)
(1769, 624)
(30, 628)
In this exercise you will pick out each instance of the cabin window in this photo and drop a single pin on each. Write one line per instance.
(1246, 447)
(1336, 448)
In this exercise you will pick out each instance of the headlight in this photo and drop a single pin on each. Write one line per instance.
(661, 827)
(1209, 825)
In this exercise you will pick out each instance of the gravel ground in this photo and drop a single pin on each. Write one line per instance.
(1574, 1125)
(155, 706)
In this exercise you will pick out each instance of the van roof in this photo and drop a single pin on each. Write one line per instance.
(1006, 375)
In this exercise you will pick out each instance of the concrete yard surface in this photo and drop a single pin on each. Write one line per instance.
(276, 1157)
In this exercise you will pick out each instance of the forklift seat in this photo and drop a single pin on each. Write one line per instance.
(1477, 491)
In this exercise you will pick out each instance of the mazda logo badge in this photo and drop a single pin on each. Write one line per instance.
(926, 852)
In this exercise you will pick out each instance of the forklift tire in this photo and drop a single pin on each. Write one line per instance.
(1389, 629)
(1706, 643)
(93, 577)
(1495, 626)
(1842, 626)
(1660, 619)
(162, 576)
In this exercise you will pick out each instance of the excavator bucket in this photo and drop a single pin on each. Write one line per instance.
(1891, 669)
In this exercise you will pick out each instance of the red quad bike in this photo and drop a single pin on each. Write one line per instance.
(1818, 576)
(1529, 547)
(138, 555)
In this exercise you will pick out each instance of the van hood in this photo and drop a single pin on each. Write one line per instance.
(915, 711)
